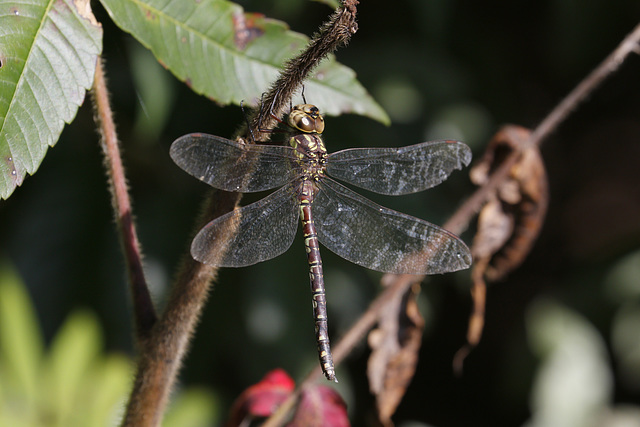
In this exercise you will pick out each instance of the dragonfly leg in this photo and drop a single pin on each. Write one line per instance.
(263, 112)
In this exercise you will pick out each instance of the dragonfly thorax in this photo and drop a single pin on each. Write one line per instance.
(306, 118)
(309, 146)
(311, 153)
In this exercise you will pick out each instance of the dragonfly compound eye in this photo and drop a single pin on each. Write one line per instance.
(305, 124)
(306, 118)
(319, 124)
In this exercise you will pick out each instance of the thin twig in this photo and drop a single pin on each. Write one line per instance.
(631, 44)
(459, 221)
(144, 312)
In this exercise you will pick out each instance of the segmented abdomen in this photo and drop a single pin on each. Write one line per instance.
(317, 280)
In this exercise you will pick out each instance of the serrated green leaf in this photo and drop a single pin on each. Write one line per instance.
(20, 340)
(48, 54)
(230, 56)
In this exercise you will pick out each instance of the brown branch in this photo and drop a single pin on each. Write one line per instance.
(458, 222)
(144, 312)
(163, 351)
(630, 44)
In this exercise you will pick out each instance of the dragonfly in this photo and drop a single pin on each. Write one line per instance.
(346, 223)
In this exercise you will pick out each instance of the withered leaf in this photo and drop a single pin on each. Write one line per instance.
(395, 347)
(508, 223)
(495, 227)
(523, 198)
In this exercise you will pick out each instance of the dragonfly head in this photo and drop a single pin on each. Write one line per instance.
(306, 118)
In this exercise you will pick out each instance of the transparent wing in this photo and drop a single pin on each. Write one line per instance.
(230, 166)
(382, 239)
(265, 229)
(398, 171)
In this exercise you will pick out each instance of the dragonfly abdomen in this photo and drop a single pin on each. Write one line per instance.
(316, 278)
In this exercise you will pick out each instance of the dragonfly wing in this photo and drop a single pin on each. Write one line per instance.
(253, 233)
(402, 170)
(382, 239)
(231, 166)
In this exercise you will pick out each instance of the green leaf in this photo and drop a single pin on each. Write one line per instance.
(192, 408)
(573, 385)
(230, 56)
(48, 54)
(74, 383)
(75, 347)
(154, 105)
(106, 391)
(333, 4)
(20, 340)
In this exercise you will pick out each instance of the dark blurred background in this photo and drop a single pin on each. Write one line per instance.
(452, 69)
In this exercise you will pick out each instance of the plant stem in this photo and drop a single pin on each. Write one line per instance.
(336, 32)
(162, 353)
(144, 312)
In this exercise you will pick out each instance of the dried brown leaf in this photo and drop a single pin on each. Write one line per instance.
(476, 318)
(395, 347)
(508, 223)
(523, 199)
(495, 227)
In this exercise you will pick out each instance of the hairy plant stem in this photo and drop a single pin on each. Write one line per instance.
(336, 32)
(144, 312)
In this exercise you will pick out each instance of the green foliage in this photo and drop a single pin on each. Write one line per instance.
(73, 383)
(334, 4)
(195, 407)
(48, 54)
(154, 105)
(21, 345)
(230, 56)
(574, 383)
